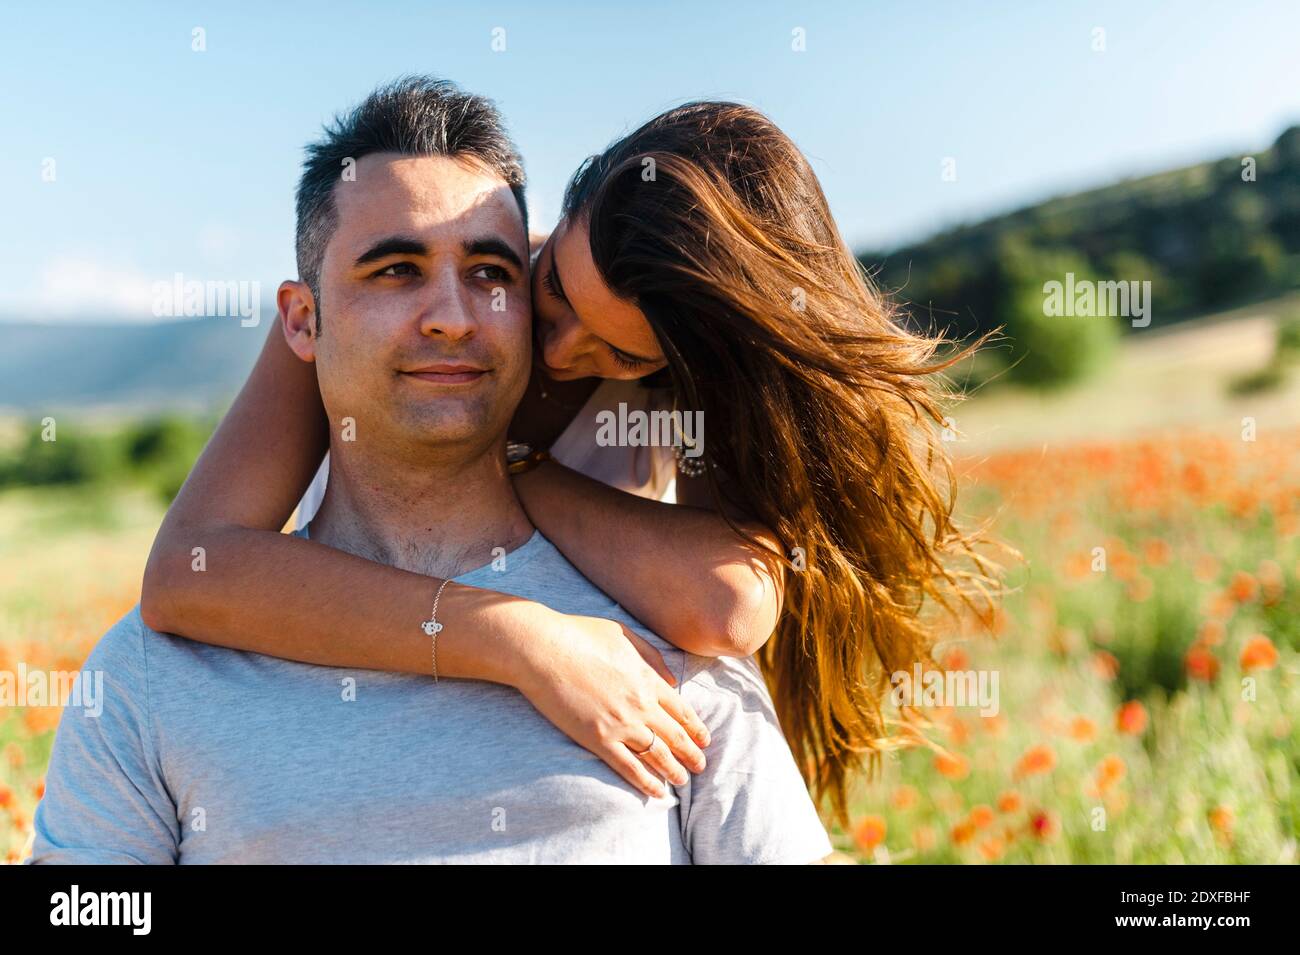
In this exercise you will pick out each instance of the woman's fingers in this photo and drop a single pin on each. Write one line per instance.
(648, 770)
(621, 760)
(688, 734)
(685, 752)
(660, 761)
(681, 711)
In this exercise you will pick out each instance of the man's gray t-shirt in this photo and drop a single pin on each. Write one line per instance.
(209, 755)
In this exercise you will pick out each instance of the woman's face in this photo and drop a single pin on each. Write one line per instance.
(582, 329)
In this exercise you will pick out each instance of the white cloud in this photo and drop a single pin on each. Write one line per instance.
(78, 289)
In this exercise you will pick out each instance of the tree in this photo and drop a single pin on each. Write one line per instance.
(1052, 345)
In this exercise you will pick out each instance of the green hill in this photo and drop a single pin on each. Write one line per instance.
(1206, 237)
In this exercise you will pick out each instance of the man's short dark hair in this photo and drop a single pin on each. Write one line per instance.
(414, 116)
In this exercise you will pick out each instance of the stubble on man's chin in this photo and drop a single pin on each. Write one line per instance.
(430, 437)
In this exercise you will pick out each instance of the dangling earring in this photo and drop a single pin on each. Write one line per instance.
(688, 466)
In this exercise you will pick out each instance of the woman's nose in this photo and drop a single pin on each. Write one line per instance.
(561, 341)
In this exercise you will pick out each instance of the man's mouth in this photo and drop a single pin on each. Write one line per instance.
(448, 374)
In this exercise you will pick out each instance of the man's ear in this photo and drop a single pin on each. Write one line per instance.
(297, 307)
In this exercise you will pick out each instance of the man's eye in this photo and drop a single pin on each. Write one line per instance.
(399, 268)
(493, 273)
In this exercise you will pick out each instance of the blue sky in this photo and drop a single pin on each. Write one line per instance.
(169, 160)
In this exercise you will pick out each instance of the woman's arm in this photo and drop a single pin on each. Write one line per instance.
(679, 569)
(253, 588)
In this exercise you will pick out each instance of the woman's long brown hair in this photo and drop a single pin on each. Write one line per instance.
(820, 409)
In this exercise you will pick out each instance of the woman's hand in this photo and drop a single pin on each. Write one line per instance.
(607, 689)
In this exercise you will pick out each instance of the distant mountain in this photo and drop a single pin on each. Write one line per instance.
(177, 366)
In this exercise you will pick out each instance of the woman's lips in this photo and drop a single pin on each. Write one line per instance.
(448, 374)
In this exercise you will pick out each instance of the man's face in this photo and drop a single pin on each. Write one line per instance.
(425, 313)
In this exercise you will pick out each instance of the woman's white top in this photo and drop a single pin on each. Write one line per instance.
(647, 470)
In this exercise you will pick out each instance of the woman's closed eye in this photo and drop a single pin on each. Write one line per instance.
(626, 361)
(552, 288)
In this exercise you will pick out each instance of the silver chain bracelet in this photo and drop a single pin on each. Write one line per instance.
(432, 628)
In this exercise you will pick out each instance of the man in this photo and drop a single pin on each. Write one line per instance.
(204, 754)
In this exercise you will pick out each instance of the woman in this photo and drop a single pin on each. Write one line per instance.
(696, 266)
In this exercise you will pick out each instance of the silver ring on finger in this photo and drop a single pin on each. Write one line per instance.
(653, 739)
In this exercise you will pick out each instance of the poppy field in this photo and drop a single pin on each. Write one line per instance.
(1147, 665)
(1145, 655)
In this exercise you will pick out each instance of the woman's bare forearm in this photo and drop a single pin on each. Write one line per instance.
(680, 570)
(325, 606)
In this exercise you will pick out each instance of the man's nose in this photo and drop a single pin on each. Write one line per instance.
(448, 309)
